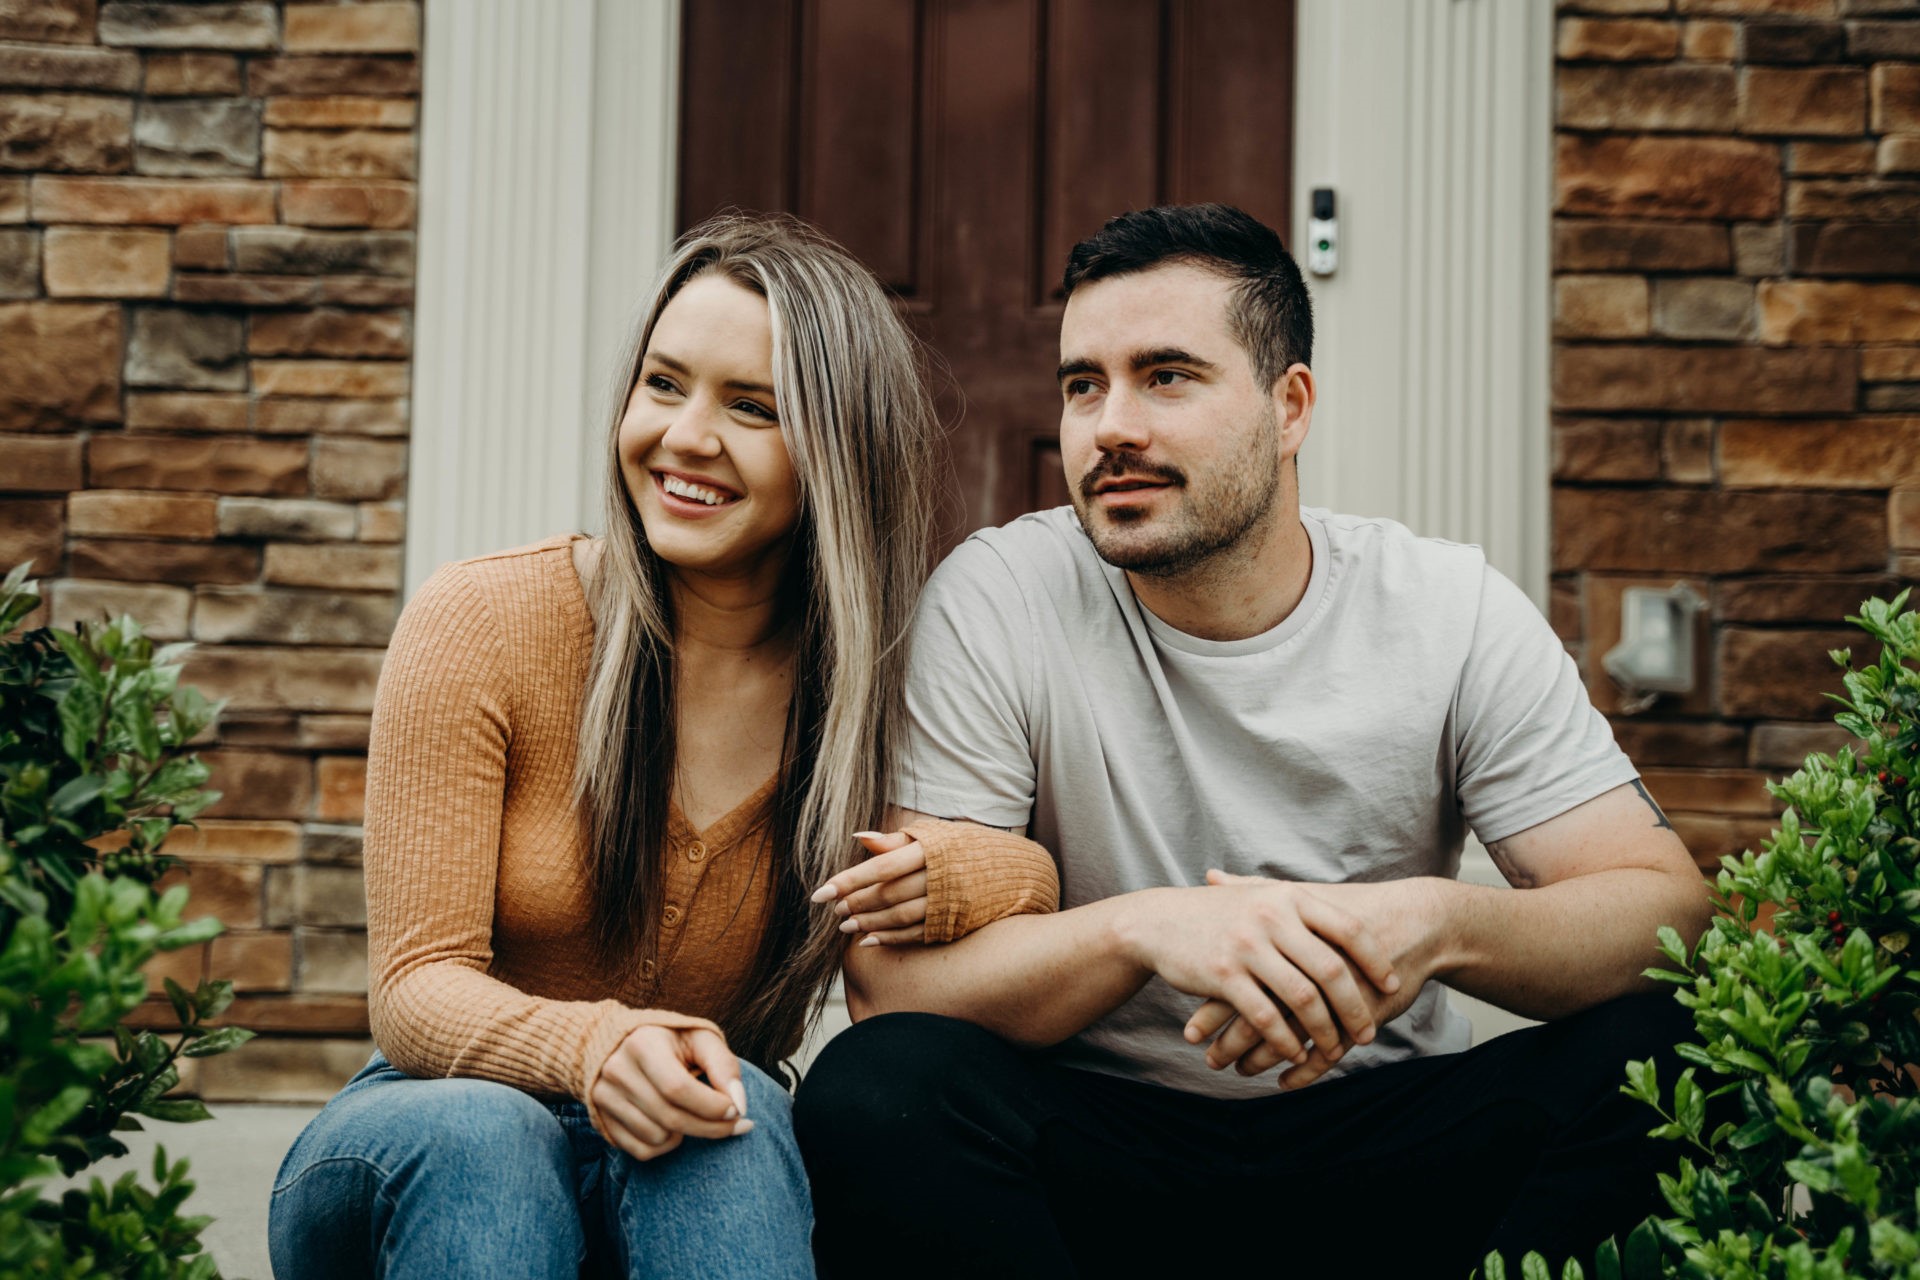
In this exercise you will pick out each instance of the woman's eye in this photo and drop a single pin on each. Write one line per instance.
(660, 383)
(754, 408)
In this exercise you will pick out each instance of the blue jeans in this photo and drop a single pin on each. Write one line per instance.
(399, 1177)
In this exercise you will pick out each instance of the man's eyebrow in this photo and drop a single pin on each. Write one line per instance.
(681, 367)
(1168, 355)
(1074, 368)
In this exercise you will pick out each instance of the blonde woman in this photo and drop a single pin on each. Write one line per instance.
(606, 776)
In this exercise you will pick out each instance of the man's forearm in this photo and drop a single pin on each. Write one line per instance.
(1553, 950)
(1031, 979)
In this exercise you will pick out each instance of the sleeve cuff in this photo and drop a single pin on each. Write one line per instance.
(977, 875)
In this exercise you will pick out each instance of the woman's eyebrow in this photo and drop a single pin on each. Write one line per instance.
(681, 367)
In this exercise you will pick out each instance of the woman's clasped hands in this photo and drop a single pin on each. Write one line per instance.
(650, 1094)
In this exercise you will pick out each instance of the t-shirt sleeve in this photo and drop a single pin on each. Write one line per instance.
(968, 752)
(1528, 743)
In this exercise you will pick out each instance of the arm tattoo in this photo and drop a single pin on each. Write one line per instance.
(1660, 819)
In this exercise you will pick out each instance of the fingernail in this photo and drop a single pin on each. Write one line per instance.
(825, 893)
(868, 941)
(866, 835)
(1393, 983)
(738, 1092)
(1299, 1059)
(842, 909)
(1366, 1036)
(733, 1113)
(849, 925)
(1334, 1054)
(745, 1126)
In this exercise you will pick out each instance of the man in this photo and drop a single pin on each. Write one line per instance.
(1254, 738)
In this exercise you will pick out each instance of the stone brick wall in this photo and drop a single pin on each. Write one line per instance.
(1736, 366)
(206, 281)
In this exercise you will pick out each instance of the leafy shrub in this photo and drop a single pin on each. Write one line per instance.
(1808, 1022)
(94, 774)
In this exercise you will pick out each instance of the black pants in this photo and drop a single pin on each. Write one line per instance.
(935, 1145)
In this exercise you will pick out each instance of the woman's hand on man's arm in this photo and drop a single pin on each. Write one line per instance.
(884, 899)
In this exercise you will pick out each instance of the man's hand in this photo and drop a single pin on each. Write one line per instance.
(884, 898)
(1276, 952)
(649, 1097)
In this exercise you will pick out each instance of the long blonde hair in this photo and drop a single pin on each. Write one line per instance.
(859, 427)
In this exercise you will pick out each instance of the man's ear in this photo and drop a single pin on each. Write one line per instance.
(1294, 395)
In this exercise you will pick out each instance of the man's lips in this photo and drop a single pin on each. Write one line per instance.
(1130, 484)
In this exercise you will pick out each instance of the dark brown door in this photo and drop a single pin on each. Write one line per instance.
(961, 147)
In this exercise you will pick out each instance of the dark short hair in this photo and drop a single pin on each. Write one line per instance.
(1270, 314)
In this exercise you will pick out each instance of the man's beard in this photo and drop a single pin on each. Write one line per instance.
(1212, 517)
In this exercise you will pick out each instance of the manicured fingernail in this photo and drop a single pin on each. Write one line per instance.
(738, 1092)
(868, 941)
(744, 1126)
(866, 835)
(733, 1113)
(825, 893)
(842, 909)
(849, 925)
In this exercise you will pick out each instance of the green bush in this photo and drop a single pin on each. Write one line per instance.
(1809, 1023)
(94, 774)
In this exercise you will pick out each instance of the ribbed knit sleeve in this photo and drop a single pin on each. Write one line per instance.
(977, 874)
(436, 788)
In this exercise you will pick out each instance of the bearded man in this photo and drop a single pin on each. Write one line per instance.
(1254, 736)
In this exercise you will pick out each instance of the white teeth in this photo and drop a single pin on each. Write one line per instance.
(699, 493)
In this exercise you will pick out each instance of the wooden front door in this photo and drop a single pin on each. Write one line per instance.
(961, 147)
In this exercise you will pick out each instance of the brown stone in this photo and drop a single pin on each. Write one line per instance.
(364, 291)
(186, 411)
(1824, 600)
(1779, 675)
(1903, 518)
(332, 960)
(1618, 40)
(352, 153)
(341, 112)
(349, 567)
(1667, 177)
(1795, 43)
(1759, 248)
(1803, 100)
(1688, 743)
(1606, 449)
(185, 75)
(1709, 790)
(1600, 306)
(1856, 249)
(359, 28)
(39, 464)
(67, 21)
(278, 679)
(289, 519)
(1619, 6)
(1691, 531)
(59, 364)
(387, 77)
(343, 788)
(253, 27)
(327, 845)
(329, 332)
(369, 469)
(1602, 604)
(331, 417)
(161, 611)
(309, 895)
(1830, 157)
(1898, 154)
(1686, 451)
(347, 204)
(295, 251)
(1704, 379)
(293, 617)
(298, 1069)
(98, 263)
(382, 521)
(32, 530)
(197, 350)
(197, 136)
(187, 563)
(1787, 746)
(1804, 8)
(24, 66)
(1845, 453)
(13, 200)
(150, 201)
(1894, 399)
(1884, 41)
(246, 290)
(1710, 40)
(1703, 307)
(205, 463)
(260, 784)
(1890, 364)
(201, 248)
(19, 264)
(106, 514)
(65, 133)
(335, 733)
(1680, 97)
(1896, 97)
(1708, 837)
(1818, 311)
(349, 379)
(228, 890)
(1860, 202)
(252, 961)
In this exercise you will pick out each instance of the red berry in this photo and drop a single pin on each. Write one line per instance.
(1899, 781)
(1883, 777)
(1833, 917)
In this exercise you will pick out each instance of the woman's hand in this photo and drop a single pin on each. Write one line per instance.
(885, 897)
(649, 1096)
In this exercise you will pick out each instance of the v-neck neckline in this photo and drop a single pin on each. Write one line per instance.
(723, 831)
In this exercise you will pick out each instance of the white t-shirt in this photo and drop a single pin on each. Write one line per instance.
(1414, 694)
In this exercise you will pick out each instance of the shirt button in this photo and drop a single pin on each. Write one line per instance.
(646, 968)
(671, 916)
(696, 852)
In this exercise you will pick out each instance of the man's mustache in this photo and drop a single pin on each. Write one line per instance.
(1127, 466)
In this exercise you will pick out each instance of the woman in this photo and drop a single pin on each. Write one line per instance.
(605, 776)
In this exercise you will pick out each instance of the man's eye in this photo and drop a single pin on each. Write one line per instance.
(1078, 387)
(1167, 377)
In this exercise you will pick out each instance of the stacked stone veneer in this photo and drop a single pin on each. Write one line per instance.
(1736, 363)
(206, 275)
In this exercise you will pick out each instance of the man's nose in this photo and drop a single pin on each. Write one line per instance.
(1123, 426)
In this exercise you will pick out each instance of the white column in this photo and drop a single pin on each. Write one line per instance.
(1432, 121)
(548, 145)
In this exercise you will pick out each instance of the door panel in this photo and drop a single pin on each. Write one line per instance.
(961, 147)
